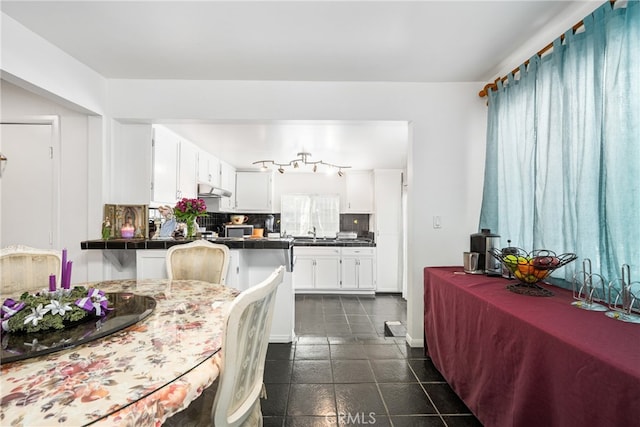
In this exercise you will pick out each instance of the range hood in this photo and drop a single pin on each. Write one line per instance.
(207, 190)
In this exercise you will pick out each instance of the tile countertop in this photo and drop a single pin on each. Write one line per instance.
(231, 242)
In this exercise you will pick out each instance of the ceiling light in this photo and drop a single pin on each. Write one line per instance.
(303, 158)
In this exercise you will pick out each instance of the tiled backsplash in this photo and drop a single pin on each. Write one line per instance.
(348, 222)
(214, 221)
(355, 222)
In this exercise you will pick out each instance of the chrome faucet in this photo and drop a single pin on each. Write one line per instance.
(313, 232)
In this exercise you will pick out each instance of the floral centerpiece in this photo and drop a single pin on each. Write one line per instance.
(187, 210)
(55, 309)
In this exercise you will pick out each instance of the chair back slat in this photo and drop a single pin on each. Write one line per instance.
(243, 353)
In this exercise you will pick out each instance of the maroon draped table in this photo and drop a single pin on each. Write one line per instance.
(519, 360)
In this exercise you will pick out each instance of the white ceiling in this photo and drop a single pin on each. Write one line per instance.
(390, 41)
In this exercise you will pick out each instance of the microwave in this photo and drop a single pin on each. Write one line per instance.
(241, 230)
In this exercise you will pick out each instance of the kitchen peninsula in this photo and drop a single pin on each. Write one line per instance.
(251, 261)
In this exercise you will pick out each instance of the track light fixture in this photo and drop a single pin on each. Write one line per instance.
(303, 158)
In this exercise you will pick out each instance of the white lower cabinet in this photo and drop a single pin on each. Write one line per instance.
(334, 270)
(358, 268)
(238, 271)
(316, 268)
(151, 264)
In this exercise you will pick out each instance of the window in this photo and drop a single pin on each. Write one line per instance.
(300, 213)
(563, 150)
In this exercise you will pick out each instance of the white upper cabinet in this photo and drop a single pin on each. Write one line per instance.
(165, 166)
(227, 182)
(187, 179)
(254, 191)
(131, 176)
(208, 169)
(359, 192)
(388, 201)
(174, 167)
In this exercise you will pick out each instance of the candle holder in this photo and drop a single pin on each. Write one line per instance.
(623, 304)
(589, 289)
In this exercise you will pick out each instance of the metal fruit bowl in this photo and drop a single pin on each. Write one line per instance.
(529, 268)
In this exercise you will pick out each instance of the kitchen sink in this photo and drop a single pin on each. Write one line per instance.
(320, 241)
(317, 239)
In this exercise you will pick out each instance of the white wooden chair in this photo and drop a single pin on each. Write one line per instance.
(198, 260)
(23, 268)
(240, 361)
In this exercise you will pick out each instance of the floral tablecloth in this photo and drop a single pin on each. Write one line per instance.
(138, 376)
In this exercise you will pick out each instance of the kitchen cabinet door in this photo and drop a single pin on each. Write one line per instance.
(388, 231)
(366, 273)
(208, 169)
(389, 273)
(358, 268)
(349, 273)
(151, 264)
(227, 182)
(327, 272)
(165, 166)
(359, 192)
(388, 201)
(303, 272)
(316, 268)
(187, 179)
(254, 191)
(238, 271)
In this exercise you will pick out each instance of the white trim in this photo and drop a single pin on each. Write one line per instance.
(414, 342)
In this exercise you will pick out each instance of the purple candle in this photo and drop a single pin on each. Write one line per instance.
(63, 273)
(67, 277)
(52, 283)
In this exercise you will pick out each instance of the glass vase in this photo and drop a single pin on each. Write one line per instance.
(191, 228)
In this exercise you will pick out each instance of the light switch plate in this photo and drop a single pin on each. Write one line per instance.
(436, 222)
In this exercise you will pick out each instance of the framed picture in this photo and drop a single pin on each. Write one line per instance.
(128, 221)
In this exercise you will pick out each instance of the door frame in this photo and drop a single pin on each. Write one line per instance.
(54, 122)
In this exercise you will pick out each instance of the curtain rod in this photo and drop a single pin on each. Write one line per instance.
(494, 85)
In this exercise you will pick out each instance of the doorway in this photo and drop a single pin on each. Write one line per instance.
(28, 182)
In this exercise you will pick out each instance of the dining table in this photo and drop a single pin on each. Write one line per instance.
(518, 360)
(140, 375)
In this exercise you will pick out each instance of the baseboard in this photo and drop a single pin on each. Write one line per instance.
(414, 342)
(281, 338)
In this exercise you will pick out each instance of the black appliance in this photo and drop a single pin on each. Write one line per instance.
(483, 243)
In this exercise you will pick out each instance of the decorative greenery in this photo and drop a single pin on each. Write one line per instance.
(189, 209)
(46, 310)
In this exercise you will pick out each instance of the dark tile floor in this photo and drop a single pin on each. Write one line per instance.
(343, 371)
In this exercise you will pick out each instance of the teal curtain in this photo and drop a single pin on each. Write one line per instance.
(563, 147)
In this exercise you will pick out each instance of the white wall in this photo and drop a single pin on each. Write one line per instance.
(314, 183)
(31, 61)
(18, 103)
(447, 126)
(445, 168)
(447, 150)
